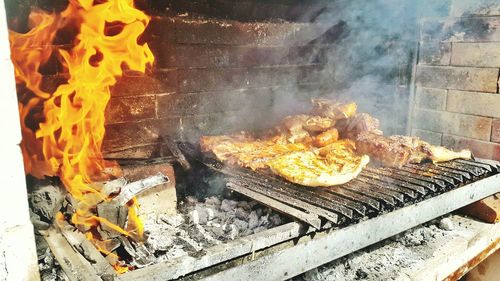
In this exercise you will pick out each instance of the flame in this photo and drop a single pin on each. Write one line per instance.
(69, 137)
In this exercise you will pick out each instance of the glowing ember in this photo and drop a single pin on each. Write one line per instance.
(69, 137)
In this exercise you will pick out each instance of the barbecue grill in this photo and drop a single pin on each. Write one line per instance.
(329, 222)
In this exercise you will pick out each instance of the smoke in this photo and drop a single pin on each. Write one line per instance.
(371, 61)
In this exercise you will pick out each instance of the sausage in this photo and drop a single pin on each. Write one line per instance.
(326, 138)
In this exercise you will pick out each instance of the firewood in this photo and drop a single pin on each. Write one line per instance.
(115, 214)
(159, 200)
(73, 264)
(133, 189)
(83, 246)
(487, 210)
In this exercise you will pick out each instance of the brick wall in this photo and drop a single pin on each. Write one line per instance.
(457, 101)
(222, 67)
(213, 76)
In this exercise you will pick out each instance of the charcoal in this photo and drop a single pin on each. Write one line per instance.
(259, 212)
(228, 205)
(264, 220)
(234, 231)
(174, 221)
(253, 220)
(275, 219)
(141, 256)
(45, 202)
(199, 215)
(159, 242)
(217, 231)
(240, 224)
(245, 205)
(241, 213)
(213, 201)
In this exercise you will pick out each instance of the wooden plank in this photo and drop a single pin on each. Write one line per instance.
(72, 263)
(487, 210)
(83, 246)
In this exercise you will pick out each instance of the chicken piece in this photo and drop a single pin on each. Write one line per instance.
(207, 143)
(424, 151)
(337, 164)
(333, 110)
(246, 152)
(326, 138)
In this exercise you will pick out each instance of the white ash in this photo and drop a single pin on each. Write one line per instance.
(200, 225)
(389, 259)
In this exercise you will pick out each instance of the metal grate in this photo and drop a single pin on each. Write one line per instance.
(374, 192)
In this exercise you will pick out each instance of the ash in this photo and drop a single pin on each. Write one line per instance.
(388, 260)
(49, 268)
(205, 223)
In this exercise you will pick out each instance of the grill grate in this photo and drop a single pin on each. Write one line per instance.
(374, 192)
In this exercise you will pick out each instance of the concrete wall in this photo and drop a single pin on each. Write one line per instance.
(18, 260)
(457, 102)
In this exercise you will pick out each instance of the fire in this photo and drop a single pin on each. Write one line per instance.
(69, 136)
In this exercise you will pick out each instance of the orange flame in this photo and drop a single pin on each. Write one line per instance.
(68, 141)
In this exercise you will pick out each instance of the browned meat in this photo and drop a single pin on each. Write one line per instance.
(396, 151)
(318, 124)
(385, 151)
(350, 128)
(326, 138)
(333, 110)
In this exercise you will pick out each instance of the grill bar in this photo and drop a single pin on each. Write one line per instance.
(386, 197)
(458, 178)
(374, 192)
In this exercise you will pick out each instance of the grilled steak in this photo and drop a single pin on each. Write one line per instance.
(385, 151)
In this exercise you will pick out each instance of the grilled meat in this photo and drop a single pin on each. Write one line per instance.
(334, 164)
(294, 128)
(326, 138)
(396, 151)
(318, 124)
(351, 127)
(383, 150)
(246, 152)
(333, 110)
(306, 149)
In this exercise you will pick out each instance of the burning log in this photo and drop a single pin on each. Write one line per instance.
(160, 199)
(82, 245)
(116, 211)
(75, 267)
(129, 191)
